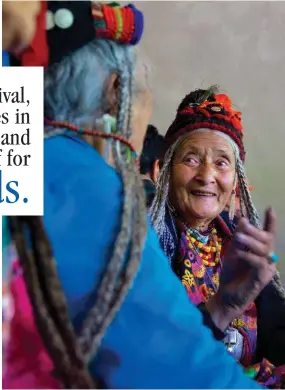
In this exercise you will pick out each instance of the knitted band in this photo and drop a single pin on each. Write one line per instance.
(231, 132)
(122, 24)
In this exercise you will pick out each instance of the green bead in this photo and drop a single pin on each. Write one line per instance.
(250, 372)
(129, 155)
(113, 4)
(100, 23)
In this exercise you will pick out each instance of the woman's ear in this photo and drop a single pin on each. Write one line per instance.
(155, 171)
(111, 94)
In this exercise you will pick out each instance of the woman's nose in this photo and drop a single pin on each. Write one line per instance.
(206, 174)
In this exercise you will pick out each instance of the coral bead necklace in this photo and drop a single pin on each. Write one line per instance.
(205, 246)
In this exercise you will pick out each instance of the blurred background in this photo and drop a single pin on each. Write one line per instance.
(240, 46)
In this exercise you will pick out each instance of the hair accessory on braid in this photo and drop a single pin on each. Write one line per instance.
(207, 109)
(65, 26)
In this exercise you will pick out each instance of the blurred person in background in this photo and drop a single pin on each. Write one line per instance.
(149, 161)
(83, 325)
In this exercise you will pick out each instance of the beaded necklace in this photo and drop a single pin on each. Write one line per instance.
(205, 246)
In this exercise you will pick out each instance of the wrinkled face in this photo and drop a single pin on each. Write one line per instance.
(203, 175)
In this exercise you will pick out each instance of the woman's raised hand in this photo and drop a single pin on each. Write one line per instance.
(19, 22)
(247, 269)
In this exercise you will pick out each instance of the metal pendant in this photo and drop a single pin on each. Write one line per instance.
(234, 342)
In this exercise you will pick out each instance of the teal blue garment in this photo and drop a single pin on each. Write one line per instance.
(5, 233)
(6, 250)
(5, 59)
(157, 340)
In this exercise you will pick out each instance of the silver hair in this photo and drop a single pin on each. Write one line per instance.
(74, 92)
(74, 87)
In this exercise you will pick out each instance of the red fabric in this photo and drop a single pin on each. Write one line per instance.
(27, 364)
(38, 53)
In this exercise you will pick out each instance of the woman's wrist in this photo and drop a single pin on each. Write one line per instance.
(218, 334)
(218, 314)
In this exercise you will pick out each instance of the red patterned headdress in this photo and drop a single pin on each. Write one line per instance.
(65, 26)
(207, 109)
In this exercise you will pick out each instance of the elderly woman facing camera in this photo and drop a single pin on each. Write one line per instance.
(202, 170)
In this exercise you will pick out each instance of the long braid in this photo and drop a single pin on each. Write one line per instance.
(131, 266)
(110, 296)
(131, 88)
(105, 290)
(245, 194)
(158, 207)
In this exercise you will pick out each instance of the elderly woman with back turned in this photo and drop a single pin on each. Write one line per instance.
(97, 331)
(203, 167)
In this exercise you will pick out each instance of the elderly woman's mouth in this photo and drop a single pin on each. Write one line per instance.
(203, 193)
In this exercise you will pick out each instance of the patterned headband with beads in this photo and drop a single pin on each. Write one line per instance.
(212, 111)
(65, 26)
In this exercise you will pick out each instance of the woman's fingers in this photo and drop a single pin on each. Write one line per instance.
(270, 222)
(257, 247)
(256, 261)
(266, 237)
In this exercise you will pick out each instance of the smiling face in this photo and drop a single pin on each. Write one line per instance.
(202, 177)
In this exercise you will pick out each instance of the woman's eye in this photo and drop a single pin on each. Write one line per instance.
(222, 163)
(191, 160)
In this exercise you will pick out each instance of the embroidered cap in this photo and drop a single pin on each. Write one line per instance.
(210, 110)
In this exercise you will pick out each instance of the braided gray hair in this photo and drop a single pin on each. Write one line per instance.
(74, 92)
(113, 289)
